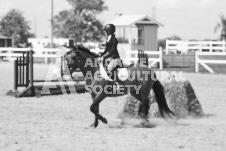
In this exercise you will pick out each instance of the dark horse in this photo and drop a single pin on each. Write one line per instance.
(139, 87)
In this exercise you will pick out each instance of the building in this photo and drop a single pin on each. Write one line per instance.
(136, 32)
(5, 41)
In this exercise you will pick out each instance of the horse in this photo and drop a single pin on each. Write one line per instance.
(139, 86)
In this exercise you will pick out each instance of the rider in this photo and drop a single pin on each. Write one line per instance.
(111, 52)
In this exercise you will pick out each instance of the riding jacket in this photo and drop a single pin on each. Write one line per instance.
(111, 50)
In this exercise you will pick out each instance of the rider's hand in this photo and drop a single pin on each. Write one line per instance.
(99, 54)
(100, 58)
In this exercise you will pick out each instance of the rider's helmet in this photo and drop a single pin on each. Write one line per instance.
(109, 28)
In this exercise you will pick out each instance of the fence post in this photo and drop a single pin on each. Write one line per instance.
(196, 62)
(10, 55)
(160, 57)
(167, 49)
(20, 71)
(15, 74)
(27, 67)
(46, 58)
(200, 46)
(211, 45)
(31, 74)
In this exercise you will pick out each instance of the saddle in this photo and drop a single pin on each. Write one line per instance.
(117, 73)
(127, 65)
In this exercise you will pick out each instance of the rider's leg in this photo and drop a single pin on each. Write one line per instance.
(113, 75)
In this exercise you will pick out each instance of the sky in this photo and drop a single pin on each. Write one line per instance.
(189, 19)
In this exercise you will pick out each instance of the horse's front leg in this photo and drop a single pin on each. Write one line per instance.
(94, 108)
(95, 123)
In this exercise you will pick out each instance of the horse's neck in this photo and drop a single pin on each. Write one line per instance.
(88, 66)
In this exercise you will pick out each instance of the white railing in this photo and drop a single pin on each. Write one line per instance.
(11, 54)
(132, 57)
(204, 62)
(187, 46)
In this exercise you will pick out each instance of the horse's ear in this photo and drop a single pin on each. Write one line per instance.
(74, 48)
(70, 47)
(65, 46)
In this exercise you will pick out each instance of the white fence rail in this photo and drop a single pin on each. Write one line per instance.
(204, 62)
(188, 46)
(132, 56)
(11, 54)
(154, 57)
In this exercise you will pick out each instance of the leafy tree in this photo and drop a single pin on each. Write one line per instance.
(162, 42)
(221, 26)
(14, 25)
(80, 22)
(174, 37)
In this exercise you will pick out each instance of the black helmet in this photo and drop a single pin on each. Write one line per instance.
(109, 28)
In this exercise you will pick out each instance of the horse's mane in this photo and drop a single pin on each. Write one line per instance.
(87, 51)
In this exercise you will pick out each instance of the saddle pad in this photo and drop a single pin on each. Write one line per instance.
(123, 74)
(103, 73)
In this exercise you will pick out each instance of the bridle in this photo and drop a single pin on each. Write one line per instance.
(65, 60)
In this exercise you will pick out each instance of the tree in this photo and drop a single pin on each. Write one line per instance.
(222, 27)
(14, 25)
(80, 23)
(162, 42)
(174, 37)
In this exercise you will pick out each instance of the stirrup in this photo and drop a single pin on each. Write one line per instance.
(115, 86)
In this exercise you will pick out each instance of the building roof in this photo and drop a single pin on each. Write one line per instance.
(131, 20)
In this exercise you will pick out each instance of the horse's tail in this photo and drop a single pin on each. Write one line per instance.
(161, 100)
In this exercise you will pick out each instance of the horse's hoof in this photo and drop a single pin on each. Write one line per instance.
(147, 124)
(146, 120)
(142, 116)
(94, 125)
(104, 120)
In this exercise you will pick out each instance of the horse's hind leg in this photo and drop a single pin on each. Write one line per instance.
(138, 97)
(145, 104)
(145, 91)
(145, 108)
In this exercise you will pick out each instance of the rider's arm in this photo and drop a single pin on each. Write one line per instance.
(103, 53)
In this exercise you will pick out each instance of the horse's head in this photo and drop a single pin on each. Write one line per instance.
(72, 59)
(77, 57)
